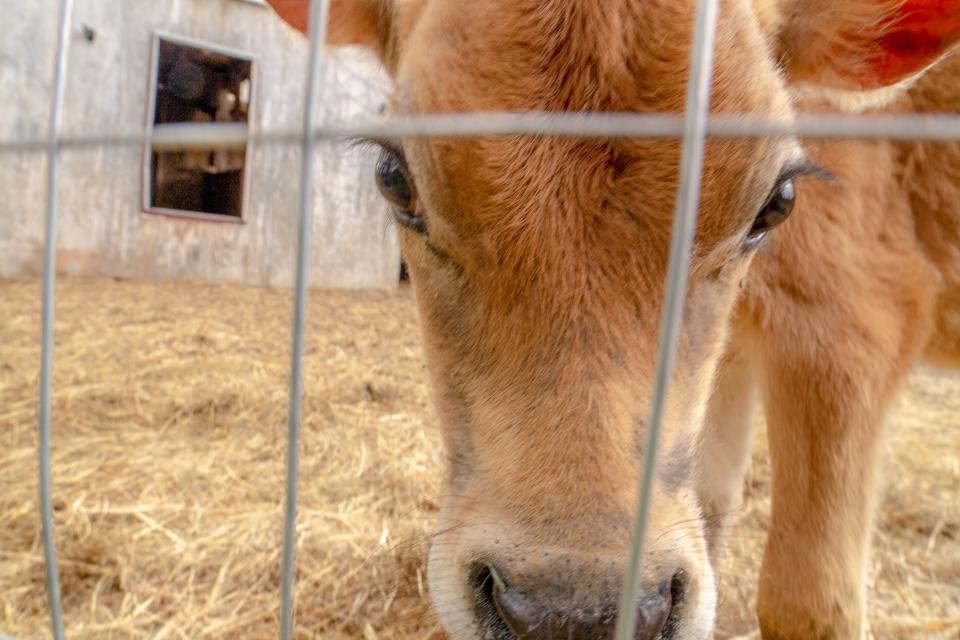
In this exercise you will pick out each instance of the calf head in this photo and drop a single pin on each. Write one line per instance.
(539, 267)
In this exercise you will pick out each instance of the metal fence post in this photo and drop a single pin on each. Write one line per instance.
(319, 9)
(46, 349)
(684, 226)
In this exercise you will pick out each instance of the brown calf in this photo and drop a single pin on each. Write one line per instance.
(539, 266)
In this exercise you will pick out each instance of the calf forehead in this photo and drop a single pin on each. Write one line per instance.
(575, 55)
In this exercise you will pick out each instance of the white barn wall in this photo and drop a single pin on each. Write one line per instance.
(103, 230)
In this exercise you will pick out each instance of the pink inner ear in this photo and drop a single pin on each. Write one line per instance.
(294, 12)
(915, 37)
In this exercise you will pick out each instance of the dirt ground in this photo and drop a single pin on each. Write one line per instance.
(169, 424)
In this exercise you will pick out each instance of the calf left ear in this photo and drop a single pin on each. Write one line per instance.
(863, 45)
(359, 22)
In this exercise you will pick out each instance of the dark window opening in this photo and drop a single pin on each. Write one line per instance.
(194, 84)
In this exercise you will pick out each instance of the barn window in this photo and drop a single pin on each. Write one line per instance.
(196, 82)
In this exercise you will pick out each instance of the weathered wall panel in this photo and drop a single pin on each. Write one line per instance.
(103, 230)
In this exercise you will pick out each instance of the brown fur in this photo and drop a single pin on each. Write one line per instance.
(541, 278)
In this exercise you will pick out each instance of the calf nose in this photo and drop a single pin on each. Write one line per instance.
(532, 617)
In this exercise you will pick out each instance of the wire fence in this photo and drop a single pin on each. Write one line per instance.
(693, 128)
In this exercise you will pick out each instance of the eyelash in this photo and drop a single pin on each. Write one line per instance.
(376, 144)
(803, 170)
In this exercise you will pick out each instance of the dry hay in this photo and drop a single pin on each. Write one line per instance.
(169, 435)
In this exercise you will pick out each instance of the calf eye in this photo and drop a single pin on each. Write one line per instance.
(774, 213)
(396, 186)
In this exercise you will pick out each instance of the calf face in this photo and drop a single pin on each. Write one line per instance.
(539, 265)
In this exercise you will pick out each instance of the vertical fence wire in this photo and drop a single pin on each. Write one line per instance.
(696, 112)
(319, 9)
(46, 327)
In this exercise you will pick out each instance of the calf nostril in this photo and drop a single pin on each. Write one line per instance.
(653, 612)
(486, 579)
(523, 615)
(678, 588)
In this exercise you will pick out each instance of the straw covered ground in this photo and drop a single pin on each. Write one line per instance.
(169, 439)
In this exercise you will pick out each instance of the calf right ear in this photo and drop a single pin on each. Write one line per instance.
(864, 45)
(359, 22)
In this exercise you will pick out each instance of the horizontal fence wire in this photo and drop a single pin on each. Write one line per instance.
(46, 325)
(170, 137)
(696, 109)
(319, 10)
